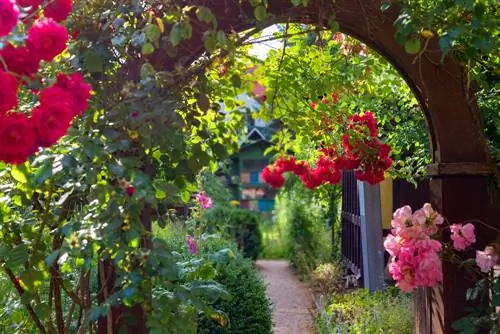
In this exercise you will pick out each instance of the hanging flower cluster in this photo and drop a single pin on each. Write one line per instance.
(21, 135)
(360, 151)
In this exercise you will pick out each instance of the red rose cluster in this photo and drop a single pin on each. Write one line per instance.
(363, 152)
(20, 134)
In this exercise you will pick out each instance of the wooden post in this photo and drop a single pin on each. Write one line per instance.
(371, 236)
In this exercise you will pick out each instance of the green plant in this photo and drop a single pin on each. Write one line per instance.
(327, 278)
(362, 312)
(240, 225)
(248, 310)
(303, 213)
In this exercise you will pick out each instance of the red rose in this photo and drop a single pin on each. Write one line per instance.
(8, 93)
(58, 9)
(130, 191)
(29, 3)
(9, 13)
(54, 94)
(47, 39)
(51, 122)
(273, 177)
(19, 60)
(17, 138)
(79, 90)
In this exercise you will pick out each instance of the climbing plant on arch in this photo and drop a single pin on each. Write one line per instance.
(152, 127)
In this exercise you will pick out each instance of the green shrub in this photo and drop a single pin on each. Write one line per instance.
(248, 310)
(303, 225)
(360, 312)
(240, 225)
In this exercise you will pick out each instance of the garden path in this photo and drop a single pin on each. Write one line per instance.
(291, 298)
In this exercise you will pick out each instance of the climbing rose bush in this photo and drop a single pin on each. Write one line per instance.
(360, 151)
(21, 133)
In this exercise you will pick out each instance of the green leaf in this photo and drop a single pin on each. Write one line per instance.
(153, 32)
(147, 49)
(147, 71)
(44, 172)
(185, 196)
(93, 62)
(204, 14)
(412, 46)
(260, 13)
(176, 34)
(51, 259)
(203, 101)
(236, 81)
(296, 2)
(221, 37)
(19, 173)
(17, 256)
(210, 41)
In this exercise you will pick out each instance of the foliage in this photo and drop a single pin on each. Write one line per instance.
(360, 312)
(327, 278)
(249, 309)
(304, 217)
(240, 225)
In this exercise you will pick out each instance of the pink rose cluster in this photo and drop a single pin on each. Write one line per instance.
(414, 255)
(204, 200)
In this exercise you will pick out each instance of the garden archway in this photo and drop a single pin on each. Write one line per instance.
(461, 165)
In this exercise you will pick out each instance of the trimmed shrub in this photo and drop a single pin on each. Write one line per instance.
(248, 311)
(241, 225)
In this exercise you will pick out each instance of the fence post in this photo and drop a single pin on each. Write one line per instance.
(371, 236)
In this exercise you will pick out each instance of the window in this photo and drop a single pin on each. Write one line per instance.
(254, 177)
(266, 205)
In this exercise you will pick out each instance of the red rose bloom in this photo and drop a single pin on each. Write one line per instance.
(51, 122)
(29, 3)
(58, 9)
(273, 177)
(8, 93)
(9, 13)
(47, 39)
(130, 191)
(54, 94)
(19, 60)
(79, 90)
(17, 138)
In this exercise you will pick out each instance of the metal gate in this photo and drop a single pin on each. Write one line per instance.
(351, 228)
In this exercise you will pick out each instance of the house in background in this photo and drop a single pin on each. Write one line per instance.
(243, 176)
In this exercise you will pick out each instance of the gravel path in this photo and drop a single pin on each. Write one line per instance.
(291, 298)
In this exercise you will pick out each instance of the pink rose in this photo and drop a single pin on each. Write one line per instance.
(486, 260)
(462, 235)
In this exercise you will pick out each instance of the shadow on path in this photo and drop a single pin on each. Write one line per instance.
(291, 298)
